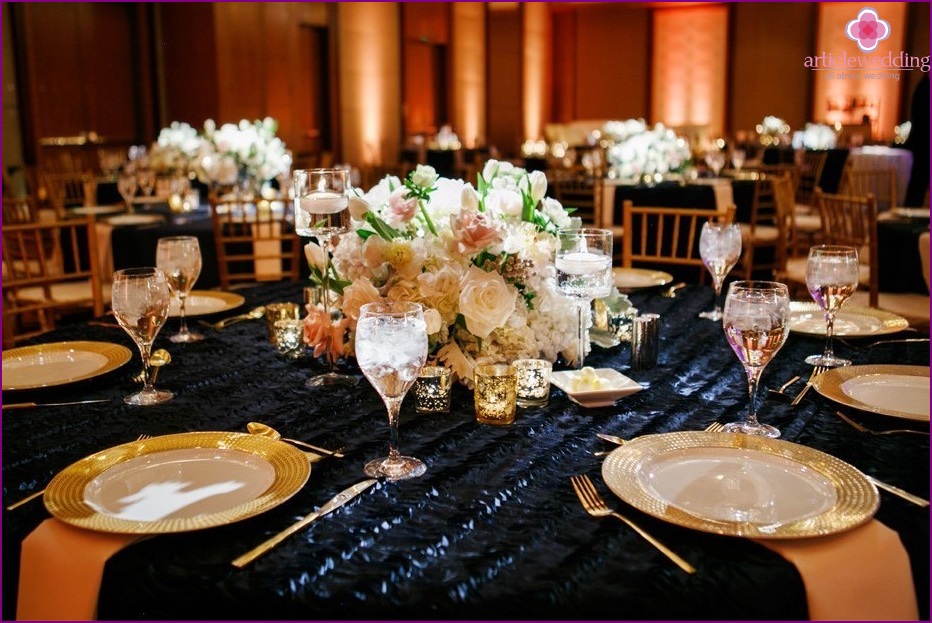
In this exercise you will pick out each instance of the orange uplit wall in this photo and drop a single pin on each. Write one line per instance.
(536, 69)
(846, 95)
(689, 67)
(468, 59)
(369, 81)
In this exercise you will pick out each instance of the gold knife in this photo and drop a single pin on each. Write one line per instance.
(29, 405)
(906, 495)
(336, 502)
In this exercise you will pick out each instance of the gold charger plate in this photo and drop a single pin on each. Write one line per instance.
(850, 321)
(638, 278)
(177, 483)
(740, 485)
(206, 302)
(60, 363)
(899, 391)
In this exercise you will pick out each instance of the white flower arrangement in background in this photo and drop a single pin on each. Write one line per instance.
(819, 136)
(639, 151)
(773, 131)
(248, 150)
(479, 260)
(175, 149)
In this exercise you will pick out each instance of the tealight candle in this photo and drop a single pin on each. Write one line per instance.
(496, 389)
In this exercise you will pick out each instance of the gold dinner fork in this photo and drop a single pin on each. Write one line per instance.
(595, 506)
(39, 493)
(891, 431)
(816, 371)
(715, 427)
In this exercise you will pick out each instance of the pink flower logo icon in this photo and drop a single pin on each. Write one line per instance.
(868, 29)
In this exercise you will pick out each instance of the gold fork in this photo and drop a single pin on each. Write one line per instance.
(816, 371)
(595, 506)
(715, 427)
(39, 493)
(864, 429)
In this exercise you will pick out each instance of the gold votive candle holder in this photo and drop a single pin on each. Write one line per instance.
(280, 311)
(496, 393)
(432, 389)
(533, 381)
(288, 337)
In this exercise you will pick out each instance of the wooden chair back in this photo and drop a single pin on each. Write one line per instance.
(19, 211)
(254, 242)
(881, 183)
(69, 190)
(658, 236)
(852, 221)
(810, 172)
(574, 189)
(48, 269)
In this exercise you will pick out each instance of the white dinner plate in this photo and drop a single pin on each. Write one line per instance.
(60, 363)
(96, 210)
(850, 321)
(898, 391)
(204, 302)
(176, 483)
(639, 278)
(617, 386)
(917, 213)
(740, 485)
(135, 219)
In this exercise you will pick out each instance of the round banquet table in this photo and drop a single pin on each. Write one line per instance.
(493, 530)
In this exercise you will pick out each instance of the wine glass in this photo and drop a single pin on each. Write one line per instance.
(832, 275)
(179, 257)
(127, 187)
(756, 326)
(720, 248)
(391, 348)
(584, 272)
(140, 298)
(715, 160)
(145, 179)
(737, 158)
(320, 202)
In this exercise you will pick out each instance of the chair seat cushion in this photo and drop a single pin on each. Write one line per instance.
(796, 272)
(65, 293)
(914, 307)
(761, 234)
(808, 223)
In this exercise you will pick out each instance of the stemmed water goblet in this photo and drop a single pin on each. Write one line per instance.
(832, 275)
(179, 257)
(127, 187)
(584, 273)
(145, 179)
(320, 208)
(719, 248)
(140, 298)
(716, 161)
(391, 348)
(737, 158)
(756, 326)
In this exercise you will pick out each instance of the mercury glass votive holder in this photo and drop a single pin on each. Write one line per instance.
(432, 389)
(288, 337)
(533, 381)
(620, 323)
(280, 311)
(496, 393)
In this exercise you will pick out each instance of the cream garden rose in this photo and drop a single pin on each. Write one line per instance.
(486, 301)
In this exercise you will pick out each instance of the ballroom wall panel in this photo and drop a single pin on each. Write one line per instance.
(768, 44)
(188, 52)
(537, 70)
(612, 62)
(505, 57)
(468, 60)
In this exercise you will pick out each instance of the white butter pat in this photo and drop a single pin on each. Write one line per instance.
(588, 379)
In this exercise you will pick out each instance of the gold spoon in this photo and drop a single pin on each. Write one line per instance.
(254, 314)
(264, 430)
(611, 439)
(157, 359)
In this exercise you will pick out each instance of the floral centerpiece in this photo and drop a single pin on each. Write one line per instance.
(641, 153)
(238, 152)
(479, 259)
(819, 136)
(773, 131)
(175, 150)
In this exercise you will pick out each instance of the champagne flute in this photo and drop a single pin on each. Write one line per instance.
(140, 298)
(179, 257)
(719, 248)
(832, 275)
(320, 208)
(756, 326)
(127, 187)
(391, 348)
(584, 272)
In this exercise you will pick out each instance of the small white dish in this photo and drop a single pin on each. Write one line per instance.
(617, 386)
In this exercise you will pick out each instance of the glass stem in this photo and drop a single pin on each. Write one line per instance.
(394, 406)
(718, 293)
(829, 334)
(582, 308)
(325, 243)
(145, 351)
(753, 373)
(183, 330)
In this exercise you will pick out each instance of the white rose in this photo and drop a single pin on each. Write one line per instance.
(504, 202)
(424, 176)
(486, 301)
(433, 321)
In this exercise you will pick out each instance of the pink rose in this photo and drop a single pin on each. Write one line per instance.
(473, 231)
(400, 209)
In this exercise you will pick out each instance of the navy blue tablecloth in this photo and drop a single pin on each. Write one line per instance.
(493, 529)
